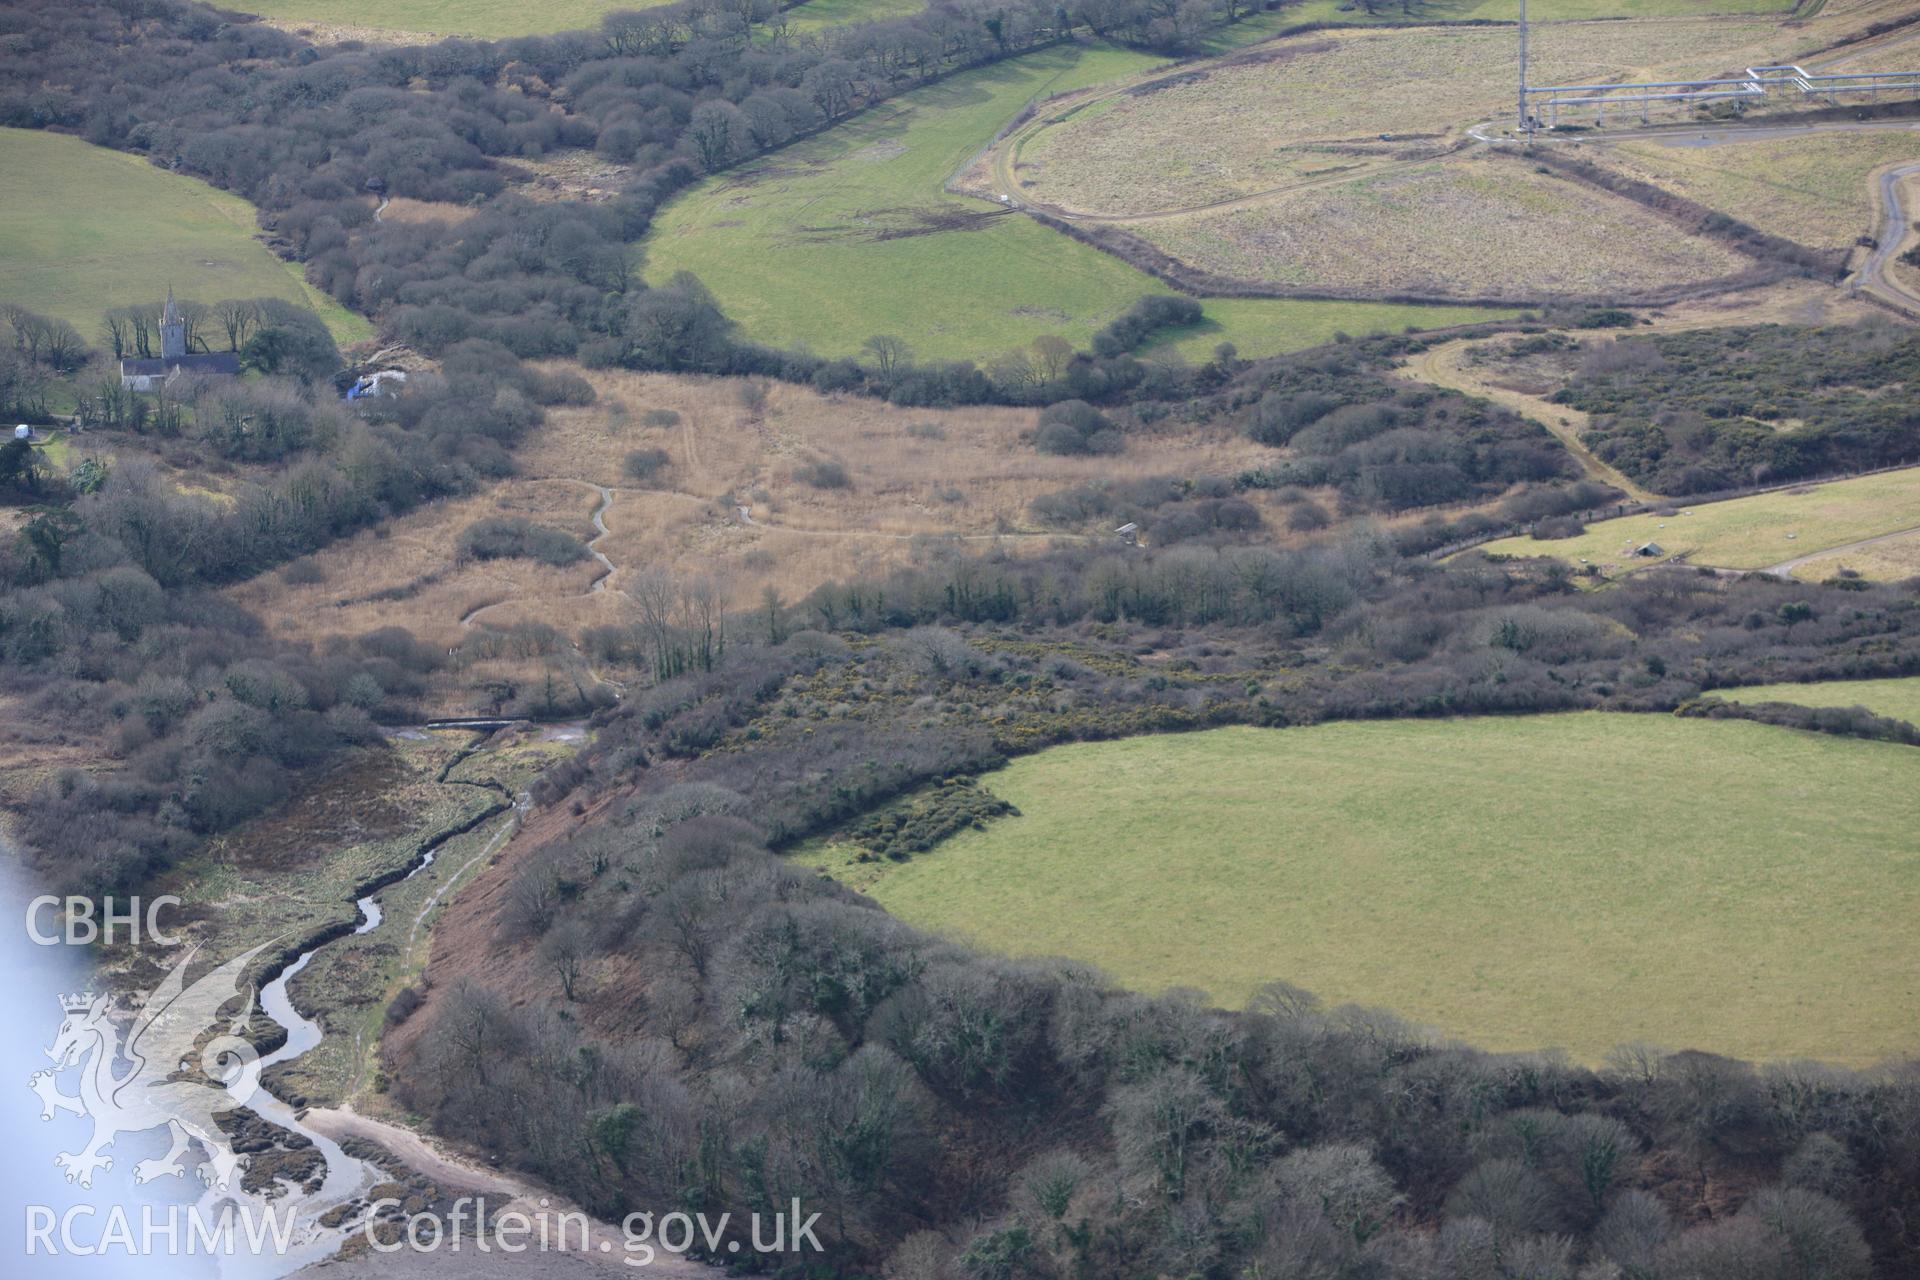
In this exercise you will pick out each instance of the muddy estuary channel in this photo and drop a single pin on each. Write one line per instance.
(322, 910)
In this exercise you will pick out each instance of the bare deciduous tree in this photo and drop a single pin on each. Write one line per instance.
(238, 318)
(889, 355)
(533, 900)
(565, 949)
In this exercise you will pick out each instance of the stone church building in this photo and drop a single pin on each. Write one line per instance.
(152, 373)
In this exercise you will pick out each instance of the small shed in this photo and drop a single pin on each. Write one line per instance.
(23, 432)
(1650, 549)
(1128, 533)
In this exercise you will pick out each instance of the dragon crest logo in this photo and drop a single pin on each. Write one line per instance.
(167, 1062)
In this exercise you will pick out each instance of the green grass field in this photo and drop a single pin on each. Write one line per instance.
(816, 14)
(1894, 559)
(852, 234)
(1578, 880)
(1747, 533)
(57, 453)
(1268, 326)
(492, 18)
(1898, 697)
(83, 229)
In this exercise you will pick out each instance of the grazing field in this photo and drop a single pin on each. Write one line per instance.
(83, 229)
(1266, 326)
(491, 18)
(1886, 560)
(1898, 697)
(1812, 188)
(1345, 13)
(1746, 533)
(816, 14)
(851, 234)
(1697, 884)
(1316, 104)
(1893, 52)
(1478, 226)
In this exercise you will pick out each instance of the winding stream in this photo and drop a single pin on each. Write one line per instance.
(294, 1217)
(346, 1176)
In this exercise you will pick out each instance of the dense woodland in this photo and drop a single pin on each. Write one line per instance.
(1385, 444)
(110, 624)
(957, 1115)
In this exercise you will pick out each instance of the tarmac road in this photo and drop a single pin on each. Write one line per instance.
(1874, 277)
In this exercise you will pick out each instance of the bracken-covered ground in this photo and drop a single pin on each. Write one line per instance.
(915, 479)
(1468, 227)
(1311, 104)
(1814, 189)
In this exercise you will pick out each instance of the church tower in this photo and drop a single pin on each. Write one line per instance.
(173, 330)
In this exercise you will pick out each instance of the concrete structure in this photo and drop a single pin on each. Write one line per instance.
(386, 382)
(1758, 84)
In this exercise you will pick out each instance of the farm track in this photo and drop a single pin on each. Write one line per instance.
(1443, 366)
(1786, 567)
(600, 525)
(487, 850)
(1874, 278)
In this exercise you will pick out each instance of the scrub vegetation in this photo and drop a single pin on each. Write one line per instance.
(781, 493)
